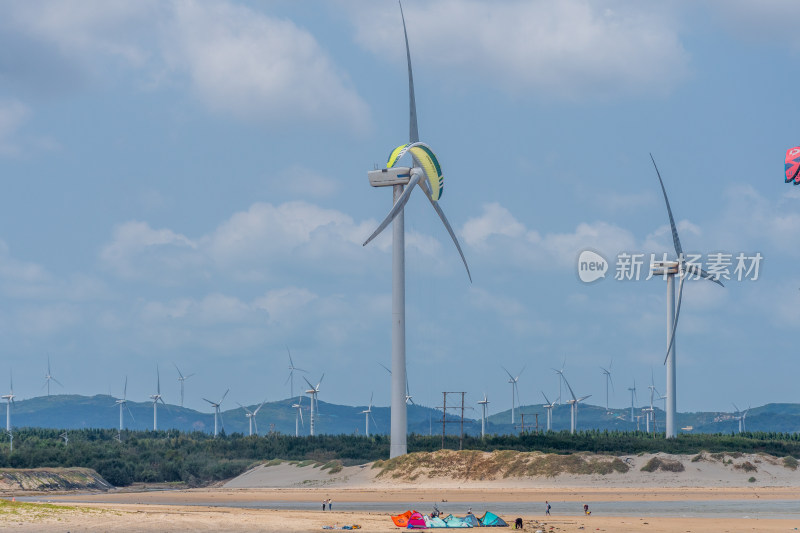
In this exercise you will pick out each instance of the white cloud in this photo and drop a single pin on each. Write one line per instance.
(238, 61)
(499, 236)
(139, 251)
(568, 49)
(258, 67)
(257, 244)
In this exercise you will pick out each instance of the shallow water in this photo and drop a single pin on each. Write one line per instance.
(689, 509)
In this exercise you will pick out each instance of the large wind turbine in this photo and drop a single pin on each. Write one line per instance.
(573, 405)
(292, 368)
(49, 377)
(123, 404)
(314, 391)
(514, 389)
(607, 374)
(426, 173)
(182, 379)
(217, 414)
(670, 269)
(9, 398)
(483, 403)
(157, 398)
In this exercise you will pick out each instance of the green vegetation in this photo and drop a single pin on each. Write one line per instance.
(197, 459)
(751, 480)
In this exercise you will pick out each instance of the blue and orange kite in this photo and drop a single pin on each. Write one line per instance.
(793, 165)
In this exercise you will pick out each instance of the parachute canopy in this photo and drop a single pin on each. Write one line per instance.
(427, 159)
(792, 167)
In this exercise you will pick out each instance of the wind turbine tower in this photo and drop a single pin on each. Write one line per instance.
(514, 381)
(182, 379)
(549, 408)
(251, 416)
(9, 398)
(292, 369)
(670, 269)
(123, 404)
(633, 395)
(573, 406)
(298, 417)
(483, 403)
(217, 414)
(607, 374)
(157, 398)
(367, 414)
(314, 391)
(49, 377)
(426, 173)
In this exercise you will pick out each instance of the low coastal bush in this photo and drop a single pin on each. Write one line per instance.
(790, 462)
(747, 466)
(665, 465)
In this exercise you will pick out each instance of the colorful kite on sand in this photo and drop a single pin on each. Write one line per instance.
(792, 168)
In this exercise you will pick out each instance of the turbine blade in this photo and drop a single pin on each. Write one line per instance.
(386, 368)
(309, 383)
(413, 131)
(545, 398)
(507, 372)
(675, 240)
(396, 208)
(675, 322)
(209, 401)
(223, 396)
(320, 380)
(130, 412)
(438, 209)
(703, 274)
(54, 379)
(178, 369)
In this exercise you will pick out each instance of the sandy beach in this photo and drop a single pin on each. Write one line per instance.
(287, 497)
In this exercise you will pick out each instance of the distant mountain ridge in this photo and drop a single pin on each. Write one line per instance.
(99, 411)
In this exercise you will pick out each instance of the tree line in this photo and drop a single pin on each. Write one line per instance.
(198, 458)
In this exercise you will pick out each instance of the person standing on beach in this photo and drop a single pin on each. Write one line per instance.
(330, 504)
(547, 508)
(323, 504)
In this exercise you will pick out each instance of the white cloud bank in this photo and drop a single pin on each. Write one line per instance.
(573, 49)
(237, 61)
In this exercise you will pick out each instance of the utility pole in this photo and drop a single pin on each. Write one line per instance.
(444, 409)
(522, 426)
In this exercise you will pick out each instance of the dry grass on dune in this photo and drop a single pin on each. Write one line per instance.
(503, 464)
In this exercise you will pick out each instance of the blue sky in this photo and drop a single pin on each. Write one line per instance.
(186, 182)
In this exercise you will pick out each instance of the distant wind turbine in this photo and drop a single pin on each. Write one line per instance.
(607, 373)
(368, 414)
(514, 388)
(157, 398)
(123, 404)
(9, 398)
(670, 269)
(633, 395)
(292, 369)
(549, 408)
(49, 377)
(573, 404)
(217, 414)
(314, 391)
(298, 417)
(426, 172)
(483, 403)
(251, 415)
(408, 389)
(182, 379)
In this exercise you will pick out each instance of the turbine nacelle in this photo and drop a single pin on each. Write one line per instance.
(387, 177)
